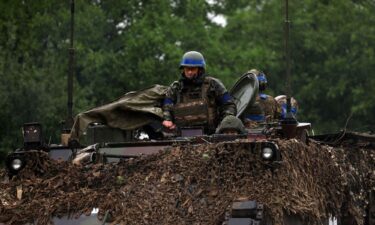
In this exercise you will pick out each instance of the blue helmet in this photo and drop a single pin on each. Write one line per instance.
(193, 59)
(262, 79)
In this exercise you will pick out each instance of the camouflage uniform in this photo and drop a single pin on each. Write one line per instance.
(252, 115)
(269, 106)
(265, 108)
(203, 101)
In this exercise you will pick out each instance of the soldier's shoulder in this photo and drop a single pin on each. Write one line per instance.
(272, 99)
(254, 109)
(266, 97)
(214, 81)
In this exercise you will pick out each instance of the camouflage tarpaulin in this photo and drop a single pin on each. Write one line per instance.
(131, 111)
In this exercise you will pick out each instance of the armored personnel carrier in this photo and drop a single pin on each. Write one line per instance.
(263, 176)
(132, 172)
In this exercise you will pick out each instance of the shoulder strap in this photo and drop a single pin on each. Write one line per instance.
(206, 86)
(210, 100)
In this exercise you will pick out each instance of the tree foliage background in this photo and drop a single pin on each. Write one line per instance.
(123, 46)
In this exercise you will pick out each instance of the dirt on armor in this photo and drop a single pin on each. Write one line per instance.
(194, 185)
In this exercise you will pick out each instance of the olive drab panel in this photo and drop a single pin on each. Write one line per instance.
(244, 92)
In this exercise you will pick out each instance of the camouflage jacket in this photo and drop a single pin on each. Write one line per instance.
(265, 109)
(212, 89)
(269, 106)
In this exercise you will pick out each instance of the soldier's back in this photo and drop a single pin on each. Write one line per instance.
(269, 106)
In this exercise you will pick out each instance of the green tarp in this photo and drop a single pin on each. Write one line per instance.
(131, 111)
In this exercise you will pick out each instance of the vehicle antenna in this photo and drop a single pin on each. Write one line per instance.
(69, 120)
(287, 57)
(289, 122)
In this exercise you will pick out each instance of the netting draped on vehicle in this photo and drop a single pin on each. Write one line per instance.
(195, 184)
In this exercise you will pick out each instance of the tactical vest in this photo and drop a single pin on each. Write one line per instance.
(195, 106)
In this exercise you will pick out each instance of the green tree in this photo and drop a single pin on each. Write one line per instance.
(338, 41)
(332, 46)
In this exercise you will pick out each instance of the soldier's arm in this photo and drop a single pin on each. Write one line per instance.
(277, 111)
(223, 99)
(169, 101)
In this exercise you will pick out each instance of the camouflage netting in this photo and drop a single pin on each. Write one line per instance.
(195, 185)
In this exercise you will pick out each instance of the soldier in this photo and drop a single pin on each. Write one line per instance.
(253, 115)
(281, 100)
(265, 108)
(231, 125)
(196, 99)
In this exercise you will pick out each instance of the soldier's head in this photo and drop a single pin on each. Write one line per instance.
(262, 79)
(231, 125)
(192, 64)
(281, 100)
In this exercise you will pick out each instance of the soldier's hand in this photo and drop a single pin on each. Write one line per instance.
(169, 124)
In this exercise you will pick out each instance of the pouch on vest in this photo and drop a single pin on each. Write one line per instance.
(196, 108)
